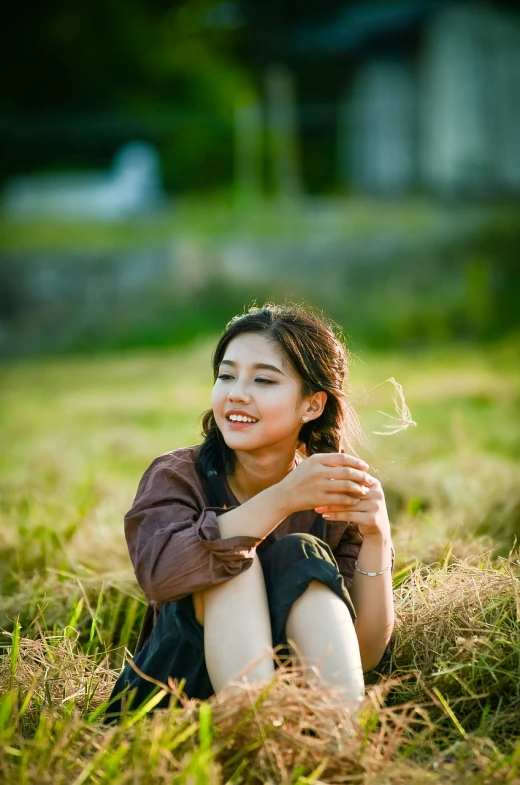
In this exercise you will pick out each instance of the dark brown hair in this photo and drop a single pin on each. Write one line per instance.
(317, 354)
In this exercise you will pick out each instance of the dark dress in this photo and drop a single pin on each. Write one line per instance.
(173, 645)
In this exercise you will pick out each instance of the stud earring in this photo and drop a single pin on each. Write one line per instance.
(305, 418)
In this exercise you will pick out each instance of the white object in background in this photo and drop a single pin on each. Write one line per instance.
(130, 188)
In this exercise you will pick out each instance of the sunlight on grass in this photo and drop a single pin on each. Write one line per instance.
(77, 435)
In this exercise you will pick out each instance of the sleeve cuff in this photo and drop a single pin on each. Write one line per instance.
(210, 537)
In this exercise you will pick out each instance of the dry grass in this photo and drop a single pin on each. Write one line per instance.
(449, 711)
(458, 638)
(77, 436)
(284, 734)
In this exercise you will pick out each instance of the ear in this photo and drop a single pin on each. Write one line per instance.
(314, 405)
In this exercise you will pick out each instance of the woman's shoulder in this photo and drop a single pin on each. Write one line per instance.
(180, 463)
(180, 456)
(172, 481)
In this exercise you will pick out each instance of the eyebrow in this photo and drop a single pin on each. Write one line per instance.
(256, 366)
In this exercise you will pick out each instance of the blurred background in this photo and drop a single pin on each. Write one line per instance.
(163, 164)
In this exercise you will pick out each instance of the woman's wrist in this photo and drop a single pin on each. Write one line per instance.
(256, 517)
(378, 540)
(375, 553)
(280, 499)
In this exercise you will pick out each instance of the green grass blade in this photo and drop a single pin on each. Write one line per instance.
(7, 704)
(77, 610)
(205, 727)
(449, 711)
(15, 651)
(96, 620)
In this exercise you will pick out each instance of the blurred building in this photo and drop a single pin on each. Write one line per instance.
(388, 96)
(433, 102)
(131, 187)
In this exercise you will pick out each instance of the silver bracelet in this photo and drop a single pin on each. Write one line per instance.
(371, 574)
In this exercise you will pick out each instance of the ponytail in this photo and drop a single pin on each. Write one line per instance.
(215, 458)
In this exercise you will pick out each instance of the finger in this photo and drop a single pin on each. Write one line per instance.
(349, 504)
(341, 501)
(346, 486)
(353, 516)
(348, 473)
(343, 459)
(359, 505)
(344, 516)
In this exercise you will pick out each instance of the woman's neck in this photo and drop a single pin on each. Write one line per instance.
(254, 474)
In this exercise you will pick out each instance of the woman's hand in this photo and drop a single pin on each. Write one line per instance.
(369, 512)
(329, 481)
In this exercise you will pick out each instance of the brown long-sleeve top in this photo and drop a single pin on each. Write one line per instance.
(174, 539)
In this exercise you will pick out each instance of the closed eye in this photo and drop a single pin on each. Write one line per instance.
(224, 377)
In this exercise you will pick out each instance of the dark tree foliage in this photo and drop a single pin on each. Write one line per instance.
(85, 76)
(81, 77)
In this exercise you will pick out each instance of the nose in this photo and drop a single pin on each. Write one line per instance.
(238, 392)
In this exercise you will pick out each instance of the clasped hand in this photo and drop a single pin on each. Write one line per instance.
(339, 487)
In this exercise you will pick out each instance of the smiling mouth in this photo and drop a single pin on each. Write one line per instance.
(241, 418)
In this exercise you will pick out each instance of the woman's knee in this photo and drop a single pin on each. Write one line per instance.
(250, 579)
(294, 547)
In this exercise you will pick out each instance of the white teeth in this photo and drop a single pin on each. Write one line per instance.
(240, 418)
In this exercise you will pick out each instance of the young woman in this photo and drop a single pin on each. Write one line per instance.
(269, 531)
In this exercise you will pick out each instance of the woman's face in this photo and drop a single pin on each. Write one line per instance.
(257, 399)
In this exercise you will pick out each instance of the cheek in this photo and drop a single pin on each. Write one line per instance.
(281, 407)
(216, 398)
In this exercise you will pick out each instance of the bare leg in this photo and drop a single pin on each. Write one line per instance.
(237, 629)
(322, 630)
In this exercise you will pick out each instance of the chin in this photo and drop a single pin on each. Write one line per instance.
(239, 444)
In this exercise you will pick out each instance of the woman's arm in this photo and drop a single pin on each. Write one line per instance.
(173, 539)
(179, 546)
(258, 516)
(305, 488)
(372, 595)
(373, 600)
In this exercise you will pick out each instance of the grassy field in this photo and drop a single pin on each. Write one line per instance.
(223, 217)
(76, 436)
